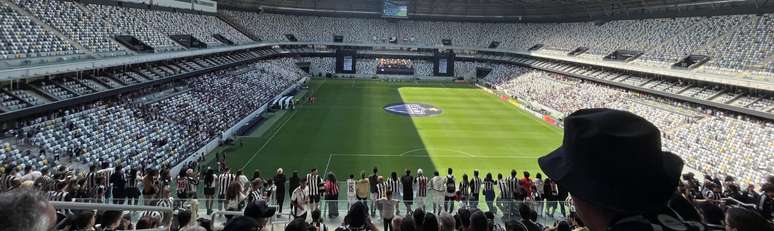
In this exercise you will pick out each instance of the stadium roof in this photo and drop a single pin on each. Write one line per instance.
(513, 10)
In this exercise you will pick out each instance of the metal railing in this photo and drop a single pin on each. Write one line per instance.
(115, 207)
(334, 210)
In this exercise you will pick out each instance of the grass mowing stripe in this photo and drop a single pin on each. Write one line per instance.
(348, 131)
(269, 140)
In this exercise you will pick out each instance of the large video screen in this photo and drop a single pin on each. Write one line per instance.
(397, 9)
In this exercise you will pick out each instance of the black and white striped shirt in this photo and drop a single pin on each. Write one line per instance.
(475, 186)
(313, 182)
(192, 183)
(505, 189)
(395, 187)
(382, 188)
(91, 181)
(160, 203)
(57, 196)
(224, 180)
(7, 182)
(513, 187)
(255, 195)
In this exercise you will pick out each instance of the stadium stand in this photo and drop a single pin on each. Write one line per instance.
(151, 129)
(127, 24)
(22, 38)
(75, 22)
(203, 27)
(709, 141)
(83, 135)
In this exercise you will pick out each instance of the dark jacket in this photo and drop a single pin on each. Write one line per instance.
(118, 179)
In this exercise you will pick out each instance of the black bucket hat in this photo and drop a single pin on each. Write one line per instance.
(613, 159)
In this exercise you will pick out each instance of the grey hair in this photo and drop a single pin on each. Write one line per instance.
(23, 210)
(446, 221)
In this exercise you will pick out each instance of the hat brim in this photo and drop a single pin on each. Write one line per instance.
(557, 166)
(270, 212)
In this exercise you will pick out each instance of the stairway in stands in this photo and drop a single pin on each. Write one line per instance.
(102, 20)
(231, 22)
(47, 27)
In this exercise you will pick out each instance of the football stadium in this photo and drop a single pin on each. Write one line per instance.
(380, 115)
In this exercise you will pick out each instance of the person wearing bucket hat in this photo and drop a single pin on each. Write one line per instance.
(605, 160)
(260, 211)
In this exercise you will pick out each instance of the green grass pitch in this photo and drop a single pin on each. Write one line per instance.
(348, 131)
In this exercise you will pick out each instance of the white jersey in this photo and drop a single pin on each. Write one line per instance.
(301, 197)
(438, 184)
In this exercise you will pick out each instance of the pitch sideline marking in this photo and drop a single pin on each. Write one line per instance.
(269, 140)
(276, 132)
(440, 149)
(329, 163)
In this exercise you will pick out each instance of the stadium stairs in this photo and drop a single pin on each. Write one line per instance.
(237, 26)
(48, 28)
(102, 20)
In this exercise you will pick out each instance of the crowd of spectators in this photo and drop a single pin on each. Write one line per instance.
(734, 43)
(135, 130)
(710, 141)
(411, 201)
(663, 41)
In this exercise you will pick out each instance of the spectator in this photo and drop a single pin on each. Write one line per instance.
(526, 214)
(419, 218)
(489, 193)
(373, 180)
(387, 208)
(86, 220)
(397, 223)
(23, 210)
(332, 195)
(279, 181)
(605, 138)
(430, 223)
(260, 212)
(118, 182)
(766, 201)
(317, 221)
(712, 214)
(293, 183)
(437, 189)
(111, 220)
(234, 198)
(300, 200)
(299, 224)
(357, 218)
(209, 189)
(743, 219)
(407, 182)
(351, 190)
(408, 224)
(446, 222)
(184, 219)
(478, 222)
(242, 223)
(362, 187)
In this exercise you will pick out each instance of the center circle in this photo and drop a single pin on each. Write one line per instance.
(413, 109)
